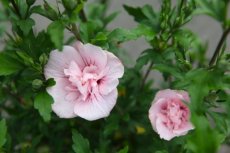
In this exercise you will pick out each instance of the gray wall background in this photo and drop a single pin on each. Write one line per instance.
(205, 27)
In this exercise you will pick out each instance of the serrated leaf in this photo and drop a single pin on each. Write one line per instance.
(56, 32)
(42, 103)
(80, 144)
(214, 8)
(124, 150)
(135, 12)
(110, 17)
(3, 130)
(9, 64)
(144, 15)
(26, 25)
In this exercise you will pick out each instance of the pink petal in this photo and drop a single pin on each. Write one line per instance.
(113, 71)
(92, 55)
(154, 111)
(73, 70)
(115, 67)
(96, 108)
(184, 130)
(184, 95)
(163, 131)
(107, 85)
(61, 106)
(58, 61)
(167, 93)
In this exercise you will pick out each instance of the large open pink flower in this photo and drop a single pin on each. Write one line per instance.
(86, 79)
(169, 115)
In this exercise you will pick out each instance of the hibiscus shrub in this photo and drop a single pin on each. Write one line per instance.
(76, 94)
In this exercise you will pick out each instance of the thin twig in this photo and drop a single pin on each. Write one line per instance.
(219, 46)
(146, 74)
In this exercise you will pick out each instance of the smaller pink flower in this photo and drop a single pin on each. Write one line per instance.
(169, 115)
(86, 81)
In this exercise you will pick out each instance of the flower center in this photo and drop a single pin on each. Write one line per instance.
(84, 80)
(176, 114)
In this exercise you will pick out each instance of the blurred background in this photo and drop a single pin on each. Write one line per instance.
(205, 27)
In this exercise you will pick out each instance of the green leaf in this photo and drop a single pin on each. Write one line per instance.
(22, 7)
(214, 8)
(26, 25)
(124, 150)
(110, 17)
(50, 11)
(143, 30)
(56, 32)
(203, 139)
(169, 69)
(145, 15)
(25, 58)
(135, 12)
(3, 130)
(30, 2)
(162, 151)
(80, 144)
(121, 35)
(38, 10)
(9, 64)
(42, 103)
(69, 4)
(50, 82)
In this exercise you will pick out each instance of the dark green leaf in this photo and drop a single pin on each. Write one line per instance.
(42, 103)
(26, 25)
(124, 150)
(30, 2)
(56, 32)
(9, 64)
(80, 144)
(25, 58)
(3, 130)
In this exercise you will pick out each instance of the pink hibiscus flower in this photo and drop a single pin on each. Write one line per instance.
(86, 79)
(169, 115)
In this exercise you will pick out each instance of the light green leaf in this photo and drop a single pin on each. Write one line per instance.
(215, 8)
(56, 32)
(80, 144)
(121, 35)
(9, 64)
(42, 103)
(169, 69)
(26, 25)
(143, 30)
(3, 130)
(124, 150)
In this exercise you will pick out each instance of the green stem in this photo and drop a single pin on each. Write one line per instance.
(219, 46)
(146, 74)
(75, 31)
(83, 16)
